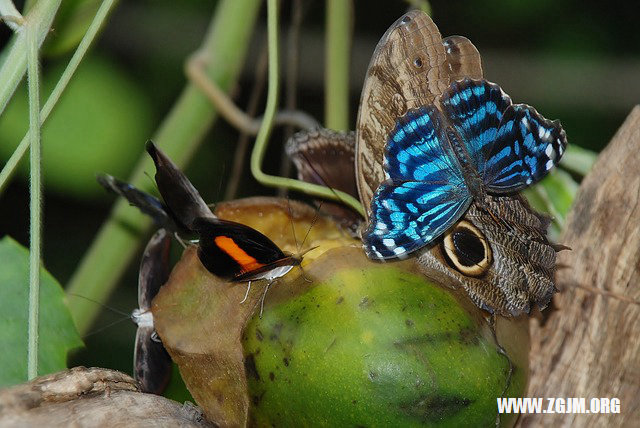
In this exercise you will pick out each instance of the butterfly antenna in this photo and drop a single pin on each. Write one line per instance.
(324, 182)
(293, 227)
(313, 222)
(151, 179)
(117, 311)
(103, 328)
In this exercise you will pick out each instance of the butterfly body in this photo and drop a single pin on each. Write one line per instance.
(448, 194)
(439, 160)
(151, 362)
(230, 250)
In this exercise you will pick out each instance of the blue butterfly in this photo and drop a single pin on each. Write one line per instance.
(438, 161)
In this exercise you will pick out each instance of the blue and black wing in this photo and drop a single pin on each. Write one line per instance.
(511, 146)
(475, 109)
(527, 146)
(424, 193)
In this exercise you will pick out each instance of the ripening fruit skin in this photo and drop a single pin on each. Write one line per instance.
(372, 345)
(342, 341)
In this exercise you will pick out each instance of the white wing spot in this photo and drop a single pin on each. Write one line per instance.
(376, 252)
(389, 243)
(549, 164)
(551, 154)
(399, 250)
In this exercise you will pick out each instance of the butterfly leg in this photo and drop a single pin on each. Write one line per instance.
(247, 293)
(180, 240)
(264, 295)
(304, 276)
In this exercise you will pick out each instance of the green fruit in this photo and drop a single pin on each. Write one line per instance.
(342, 340)
(99, 124)
(373, 347)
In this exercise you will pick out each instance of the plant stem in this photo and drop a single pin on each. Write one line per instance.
(10, 15)
(257, 155)
(14, 63)
(12, 164)
(338, 55)
(35, 199)
(179, 135)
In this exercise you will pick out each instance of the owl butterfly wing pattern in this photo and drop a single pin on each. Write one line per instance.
(326, 157)
(411, 66)
(504, 264)
(504, 267)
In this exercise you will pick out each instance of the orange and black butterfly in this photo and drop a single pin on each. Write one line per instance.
(229, 250)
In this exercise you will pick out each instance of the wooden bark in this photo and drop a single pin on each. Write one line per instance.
(82, 397)
(590, 346)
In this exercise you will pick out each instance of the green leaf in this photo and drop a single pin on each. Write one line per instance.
(58, 334)
(578, 160)
(554, 196)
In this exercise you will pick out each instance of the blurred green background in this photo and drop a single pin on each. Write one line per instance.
(572, 60)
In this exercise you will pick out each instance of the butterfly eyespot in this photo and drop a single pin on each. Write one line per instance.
(466, 250)
(417, 62)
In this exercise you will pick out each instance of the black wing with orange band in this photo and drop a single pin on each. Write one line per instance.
(230, 250)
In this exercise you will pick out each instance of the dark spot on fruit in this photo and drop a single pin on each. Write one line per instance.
(409, 323)
(468, 336)
(275, 334)
(373, 375)
(409, 342)
(354, 402)
(259, 335)
(339, 300)
(250, 367)
(364, 303)
(286, 362)
(271, 376)
(435, 408)
(256, 399)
